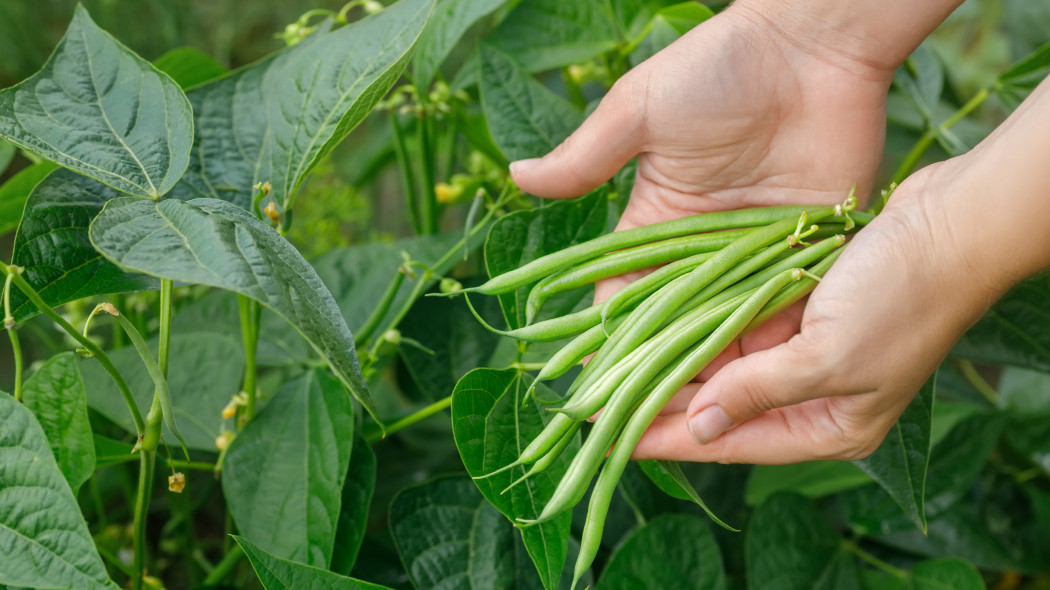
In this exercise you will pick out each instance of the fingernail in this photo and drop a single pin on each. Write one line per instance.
(523, 165)
(709, 424)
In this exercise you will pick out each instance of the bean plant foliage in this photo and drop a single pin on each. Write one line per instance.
(334, 423)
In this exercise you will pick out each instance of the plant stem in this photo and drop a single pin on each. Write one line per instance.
(404, 165)
(385, 302)
(912, 159)
(141, 507)
(12, 331)
(428, 209)
(873, 561)
(93, 348)
(422, 282)
(115, 561)
(250, 336)
(974, 378)
(164, 347)
(196, 465)
(411, 419)
(224, 567)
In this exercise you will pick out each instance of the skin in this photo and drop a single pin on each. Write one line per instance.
(735, 114)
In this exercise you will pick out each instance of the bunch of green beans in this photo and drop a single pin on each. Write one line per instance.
(723, 273)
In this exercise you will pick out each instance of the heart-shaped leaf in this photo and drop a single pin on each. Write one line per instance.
(491, 428)
(212, 242)
(99, 109)
(274, 120)
(283, 474)
(55, 395)
(547, 34)
(450, 21)
(669, 551)
(46, 543)
(53, 246)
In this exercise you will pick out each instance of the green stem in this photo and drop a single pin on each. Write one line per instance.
(164, 347)
(196, 465)
(974, 378)
(226, 566)
(873, 561)
(912, 159)
(115, 561)
(404, 166)
(385, 302)
(428, 209)
(91, 347)
(411, 419)
(12, 332)
(141, 508)
(422, 282)
(250, 336)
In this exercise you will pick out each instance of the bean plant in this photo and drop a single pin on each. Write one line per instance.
(195, 404)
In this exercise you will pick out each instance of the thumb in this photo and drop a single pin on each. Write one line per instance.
(781, 376)
(603, 144)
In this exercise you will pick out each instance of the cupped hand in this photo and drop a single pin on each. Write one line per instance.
(872, 332)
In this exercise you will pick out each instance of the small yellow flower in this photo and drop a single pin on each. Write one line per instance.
(176, 482)
(447, 193)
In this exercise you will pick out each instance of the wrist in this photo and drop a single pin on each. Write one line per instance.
(877, 35)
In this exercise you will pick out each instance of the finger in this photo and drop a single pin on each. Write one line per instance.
(781, 376)
(809, 431)
(603, 144)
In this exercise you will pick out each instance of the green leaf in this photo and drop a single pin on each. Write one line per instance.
(450, 21)
(668, 24)
(946, 574)
(491, 428)
(1016, 331)
(448, 536)
(669, 477)
(99, 109)
(1025, 392)
(189, 66)
(523, 236)
(45, 541)
(547, 34)
(1020, 79)
(212, 242)
(15, 191)
(357, 493)
(900, 463)
(274, 120)
(53, 246)
(790, 546)
(525, 118)
(7, 153)
(670, 551)
(284, 472)
(280, 574)
(111, 452)
(815, 479)
(55, 395)
(207, 372)
(921, 78)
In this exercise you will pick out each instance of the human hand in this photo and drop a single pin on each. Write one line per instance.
(904, 290)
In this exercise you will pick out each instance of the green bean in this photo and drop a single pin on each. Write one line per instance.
(573, 484)
(695, 224)
(555, 328)
(544, 442)
(796, 291)
(572, 354)
(625, 261)
(651, 406)
(548, 459)
(672, 296)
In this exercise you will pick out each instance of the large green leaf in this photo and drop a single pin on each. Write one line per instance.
(189, 66)
(280, 574)
(523, 236)
(813, 480)
(491, 428)
(946, 574)
(900, 463)
(670, 551)
(525, 118)
(53, 246)
(547, 34)
(206, 372)
(921, 79)
(212, 242)
(449, 537)
(283, 474)
(99, 109)
(44, 540)
(450, 21)
(274, 120)
(357, 493)
(7, 153)
(1018, 82)
(15, 192)
(55, 395)
(790, 546)
(1016, 331)
(667, 25)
